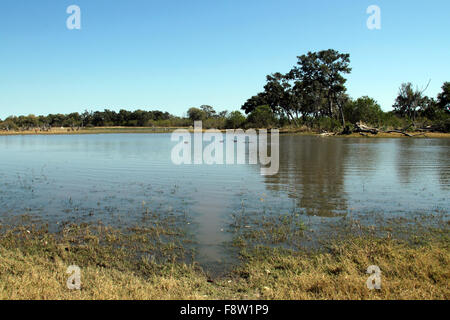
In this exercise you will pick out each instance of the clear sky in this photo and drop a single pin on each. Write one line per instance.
(172, 55)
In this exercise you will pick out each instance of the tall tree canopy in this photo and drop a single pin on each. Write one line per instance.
(315, 86)
(444, 98)
(408, 101)
(322, 75)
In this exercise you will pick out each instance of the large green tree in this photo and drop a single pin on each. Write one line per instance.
(196, 114)
(322, 75)
(444, 98)
(254, 102)
(315, 86)
(363, 109)
(209, 111)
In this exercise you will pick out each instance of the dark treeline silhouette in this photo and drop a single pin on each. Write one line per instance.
(312, 95)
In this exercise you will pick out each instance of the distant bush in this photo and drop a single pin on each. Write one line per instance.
(261, 117)
(363, 109)
(8, 125)
(214, 123)
(327, 124)
(235, 120)
(442, 126)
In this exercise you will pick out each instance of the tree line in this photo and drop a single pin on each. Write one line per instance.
(106, 118)
(312, 95)
(138, 118)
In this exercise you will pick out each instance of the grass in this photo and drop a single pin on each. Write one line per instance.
(114, 265)
(287, 130)
(408, 271)
(93, 130)
(399, 135)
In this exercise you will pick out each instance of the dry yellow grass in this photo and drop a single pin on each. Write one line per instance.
(96, 130)
(399, 135)
(297, 131)
(408, 272)
(34, 268)
(37, 278)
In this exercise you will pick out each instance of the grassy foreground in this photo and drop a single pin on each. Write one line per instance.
(33, 265)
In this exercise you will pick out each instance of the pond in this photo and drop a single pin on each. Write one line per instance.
(117, 178)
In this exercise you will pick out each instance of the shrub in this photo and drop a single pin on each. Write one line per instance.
(328, 124)
(235, 120)
(261, 117)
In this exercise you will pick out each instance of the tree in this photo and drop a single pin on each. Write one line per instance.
(408, 101)
(85, 118)
(141, 117)
(262, 117)
(254, 102)
(123, 117)
(30, 121)
(109, 117)
(280, 96)
(322, 74)
(235, 120)
(430, 109)
(196, 114)
(56, 120)
(98, 119)
(209, 111)
(444, 98)
(223, 114)
(363, 109)
(315, 86)
(8, 124)
(72, 120)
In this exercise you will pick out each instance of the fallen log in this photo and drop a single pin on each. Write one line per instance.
(364, 129)
(429, 129)
(327, 134)
(420, 134)
(361, 127)
(398, 131)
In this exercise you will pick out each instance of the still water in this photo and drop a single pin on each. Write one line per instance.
(115, 177)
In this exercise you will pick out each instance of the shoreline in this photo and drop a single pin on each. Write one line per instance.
(147, 130)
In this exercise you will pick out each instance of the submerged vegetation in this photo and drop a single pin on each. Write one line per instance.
(33, 264)
(312, 95)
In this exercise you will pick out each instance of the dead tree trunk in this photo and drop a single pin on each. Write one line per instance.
(361, 127)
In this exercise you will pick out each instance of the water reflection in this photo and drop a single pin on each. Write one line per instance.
(312, 172)
(110, 177)
(444, 168)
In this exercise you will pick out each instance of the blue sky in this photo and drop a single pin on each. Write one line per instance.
(172, 55)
